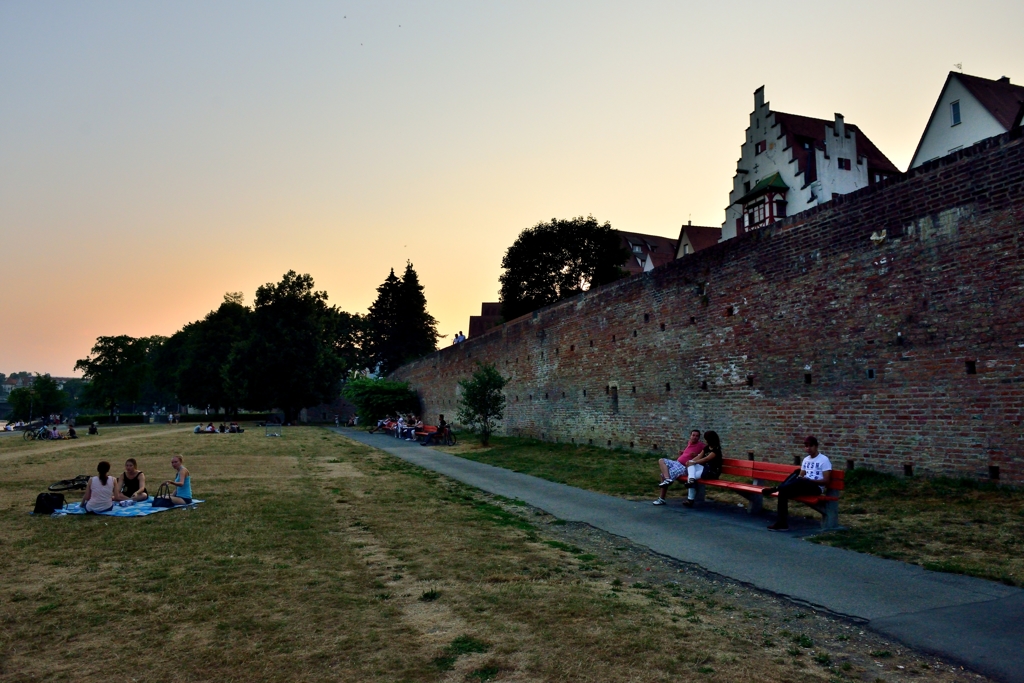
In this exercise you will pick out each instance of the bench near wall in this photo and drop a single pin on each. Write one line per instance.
(904, 354)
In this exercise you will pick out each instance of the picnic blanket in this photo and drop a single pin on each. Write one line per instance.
(138, 510)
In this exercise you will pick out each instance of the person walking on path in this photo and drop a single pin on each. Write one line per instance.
(814, 477)
(673, 469)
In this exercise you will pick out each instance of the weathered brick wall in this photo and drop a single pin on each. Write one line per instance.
(906, 351)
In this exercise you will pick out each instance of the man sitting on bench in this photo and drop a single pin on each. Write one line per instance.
(812, 480)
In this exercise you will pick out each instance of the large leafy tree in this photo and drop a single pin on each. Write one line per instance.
(117, 369)
(43, 397)
(193, 363)
(291, 359)
(376, 398)
(482, 402)
(399, 328)
(557, 259)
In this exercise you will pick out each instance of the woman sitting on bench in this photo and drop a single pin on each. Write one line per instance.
(707, 465)
(673, 469)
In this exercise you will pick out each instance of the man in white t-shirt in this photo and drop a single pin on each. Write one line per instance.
(815, 475)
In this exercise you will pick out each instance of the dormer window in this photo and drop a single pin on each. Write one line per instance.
(760, 147)
(954, 113)
(637, 249)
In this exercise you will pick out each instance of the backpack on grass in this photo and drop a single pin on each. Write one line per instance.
(48, 503)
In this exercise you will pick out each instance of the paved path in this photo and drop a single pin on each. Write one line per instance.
(977, 623)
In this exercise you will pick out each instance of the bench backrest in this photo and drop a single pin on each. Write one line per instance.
(770, 471)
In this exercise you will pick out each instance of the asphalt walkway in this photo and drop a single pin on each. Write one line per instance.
(977, 623)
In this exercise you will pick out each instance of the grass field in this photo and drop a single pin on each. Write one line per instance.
(946, 525)
(316, 558)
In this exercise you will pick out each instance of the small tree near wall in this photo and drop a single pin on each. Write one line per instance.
(482, 403)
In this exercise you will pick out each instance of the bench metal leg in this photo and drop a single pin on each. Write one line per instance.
(756, 503)
(700, 491)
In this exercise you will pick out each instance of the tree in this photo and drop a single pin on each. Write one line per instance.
(554, 260)
(376, 398)
(116, 369)
(290, 359)
(482, 404)
(42, 398)
(399, 328)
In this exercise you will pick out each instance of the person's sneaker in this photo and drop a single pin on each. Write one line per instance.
(126, 503)
(660, 501)
(667, 482)
(778, 527)
(688, 503)
(769, 491)
(691, 483)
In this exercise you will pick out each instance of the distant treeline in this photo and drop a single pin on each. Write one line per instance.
(288, 351)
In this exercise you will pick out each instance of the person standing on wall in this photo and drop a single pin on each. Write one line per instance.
(814, 477)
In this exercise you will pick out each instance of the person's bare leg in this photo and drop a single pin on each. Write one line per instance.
(178, 501)
(664, 468)
(140, 496)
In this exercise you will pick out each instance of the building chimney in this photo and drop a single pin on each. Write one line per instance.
(840, 127)
(759, 98)
(1005, 80)
(689, 222)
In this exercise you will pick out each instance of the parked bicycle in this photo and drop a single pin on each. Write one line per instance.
(77, 484)
(41, 433)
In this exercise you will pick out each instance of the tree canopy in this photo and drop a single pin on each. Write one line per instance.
(117, 369)
(43, 397)
(482, 402)
(557, 259)
(399, 328)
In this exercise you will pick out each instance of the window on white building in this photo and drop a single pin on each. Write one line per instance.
(686, 249)
(844, 164)
(954, 113)
(760, 147)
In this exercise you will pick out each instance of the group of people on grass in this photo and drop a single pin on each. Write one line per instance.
(103, 491)
(703, 460)
(232, 428)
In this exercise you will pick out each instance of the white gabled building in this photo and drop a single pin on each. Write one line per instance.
(790, 163)
(969, 109)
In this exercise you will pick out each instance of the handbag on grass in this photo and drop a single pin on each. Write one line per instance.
(162, 499)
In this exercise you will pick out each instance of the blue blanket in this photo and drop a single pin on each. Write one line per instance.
(138, 510)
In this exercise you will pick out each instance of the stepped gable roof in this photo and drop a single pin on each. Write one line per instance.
(1004, 100)
(809, 128)
(660, 250)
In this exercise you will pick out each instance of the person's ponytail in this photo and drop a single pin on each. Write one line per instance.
(103, 468)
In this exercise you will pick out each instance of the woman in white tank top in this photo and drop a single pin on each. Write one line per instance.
(99, 492)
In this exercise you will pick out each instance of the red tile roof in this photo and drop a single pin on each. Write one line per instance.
(1004, 100)
(800, 129)
(701, 237)
(659, 249)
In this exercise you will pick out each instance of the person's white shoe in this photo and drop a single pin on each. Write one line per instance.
(667, 482)
(660, 501)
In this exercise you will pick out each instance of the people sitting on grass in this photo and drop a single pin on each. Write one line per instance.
(673, 469)
(210, 429)
(814, 477)
(93, 429)
(131, 485)
(99, 492)
(198, 429)
(707, 465)
(182, 482)
(71, 433)
(54, 432)
(233, 428)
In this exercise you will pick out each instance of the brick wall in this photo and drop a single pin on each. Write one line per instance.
(894, 352)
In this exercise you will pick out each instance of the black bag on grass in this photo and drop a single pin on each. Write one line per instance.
(48, 503)
(162, 499)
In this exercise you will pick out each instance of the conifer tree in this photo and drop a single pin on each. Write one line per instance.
(400, 328)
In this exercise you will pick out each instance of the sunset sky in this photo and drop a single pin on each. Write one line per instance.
(154, 155)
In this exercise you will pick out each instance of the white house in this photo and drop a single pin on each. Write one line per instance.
(790, 163)
(969, 109)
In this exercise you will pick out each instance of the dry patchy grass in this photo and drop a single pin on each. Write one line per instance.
(318, 558)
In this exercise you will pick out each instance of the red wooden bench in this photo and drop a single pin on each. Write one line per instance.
(763, 474)
(425, 430)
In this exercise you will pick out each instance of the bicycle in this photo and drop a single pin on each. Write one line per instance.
(42, 433)
(77, 484)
